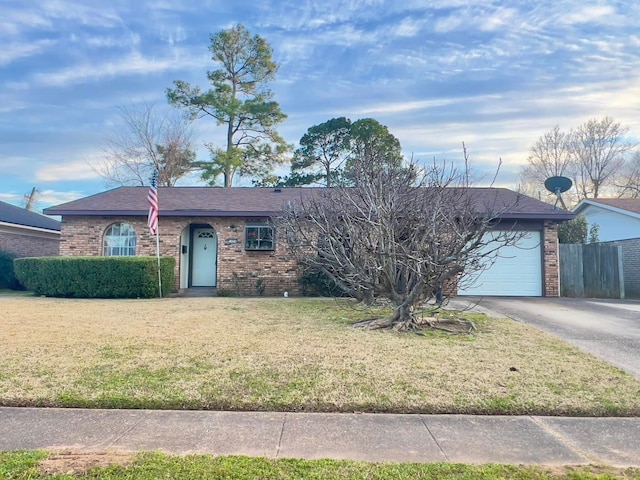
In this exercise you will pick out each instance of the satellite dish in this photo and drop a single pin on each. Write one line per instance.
(558, 185)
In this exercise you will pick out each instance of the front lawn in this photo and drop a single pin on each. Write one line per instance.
(288, 355)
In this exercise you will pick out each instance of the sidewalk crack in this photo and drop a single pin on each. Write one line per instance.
(539, 421)
(128, 430)
(446, 457)
(284, 421)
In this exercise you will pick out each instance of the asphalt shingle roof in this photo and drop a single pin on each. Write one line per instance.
(19, 216)
(629, 204)
(257, 202)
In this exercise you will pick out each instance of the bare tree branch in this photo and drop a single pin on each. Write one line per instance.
(146, 140)
(598, 148)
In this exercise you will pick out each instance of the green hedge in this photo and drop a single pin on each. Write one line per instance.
(7, 274)
(95, 277)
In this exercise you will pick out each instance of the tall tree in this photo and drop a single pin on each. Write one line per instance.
(241, 101)
(373, 148)
(330, 152)
(400, 235)
(598, 147)
(145, 140)
(323, 151)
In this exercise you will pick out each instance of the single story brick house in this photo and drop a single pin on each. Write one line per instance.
(222, 237)
(28, 234)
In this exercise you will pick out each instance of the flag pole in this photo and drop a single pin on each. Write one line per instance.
(152, 222)
(158, 255)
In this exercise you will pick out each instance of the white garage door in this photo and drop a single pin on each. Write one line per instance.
(517, 271)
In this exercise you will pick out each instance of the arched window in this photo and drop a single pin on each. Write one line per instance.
(119, 241)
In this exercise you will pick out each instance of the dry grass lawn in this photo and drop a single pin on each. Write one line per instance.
(288, 354)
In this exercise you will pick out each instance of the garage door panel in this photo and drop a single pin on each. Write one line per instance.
(515, 271)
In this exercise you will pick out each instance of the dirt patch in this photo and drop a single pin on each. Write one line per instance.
(72, 462)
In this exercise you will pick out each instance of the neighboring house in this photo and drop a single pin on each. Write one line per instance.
(222, 237)
(618, 220)
(28, 234)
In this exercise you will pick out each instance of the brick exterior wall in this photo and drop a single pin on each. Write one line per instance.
(630, 265)
(237, 270)
(551, 266)
(25, 243)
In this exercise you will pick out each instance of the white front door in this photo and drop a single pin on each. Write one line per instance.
(204, 259)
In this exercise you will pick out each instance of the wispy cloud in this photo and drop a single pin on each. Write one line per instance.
(589, 14)
(131, 64)
(49, 198)
(75, 170)
(13, 51)
(103, 14)
(17, 19)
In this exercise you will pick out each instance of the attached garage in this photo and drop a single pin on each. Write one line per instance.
(514, 271)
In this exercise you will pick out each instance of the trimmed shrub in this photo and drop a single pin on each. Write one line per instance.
(7, 274)
(95, 277)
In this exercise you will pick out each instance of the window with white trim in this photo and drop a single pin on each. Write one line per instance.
(119, 241)
(259, 237)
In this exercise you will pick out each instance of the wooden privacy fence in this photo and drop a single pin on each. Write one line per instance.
(592, 271)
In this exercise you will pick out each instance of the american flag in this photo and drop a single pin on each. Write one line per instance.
(152, 220)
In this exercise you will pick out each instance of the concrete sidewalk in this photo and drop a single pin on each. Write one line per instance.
(369, 437)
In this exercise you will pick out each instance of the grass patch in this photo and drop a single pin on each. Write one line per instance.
(289, 355)
(21, 293)
(40, 465)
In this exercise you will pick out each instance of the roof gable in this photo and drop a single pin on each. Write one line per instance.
(22, 217)
(624, 206)
(263, 202)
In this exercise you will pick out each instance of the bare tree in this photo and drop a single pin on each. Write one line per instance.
(146, 140)
(400, 235)
(628, 181)
(549, 156)
(598, 148)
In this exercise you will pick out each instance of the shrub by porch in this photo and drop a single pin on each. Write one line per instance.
(95, 277)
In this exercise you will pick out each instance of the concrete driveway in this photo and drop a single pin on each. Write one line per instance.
(609, 329)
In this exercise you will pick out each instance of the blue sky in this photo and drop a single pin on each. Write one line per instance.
(494, 74)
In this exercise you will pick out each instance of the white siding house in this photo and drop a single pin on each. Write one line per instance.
(617, 218)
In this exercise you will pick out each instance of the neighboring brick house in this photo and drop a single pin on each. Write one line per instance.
(222, 237)
(28, 234)
(630, 265)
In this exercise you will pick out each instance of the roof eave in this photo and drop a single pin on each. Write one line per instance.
(29, 227)
(163, 213)
(559, 216)
(588, 203)
(556, 216)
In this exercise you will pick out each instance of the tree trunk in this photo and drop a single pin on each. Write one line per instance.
(402, 320)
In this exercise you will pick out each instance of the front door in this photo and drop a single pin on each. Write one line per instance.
(205, 252)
